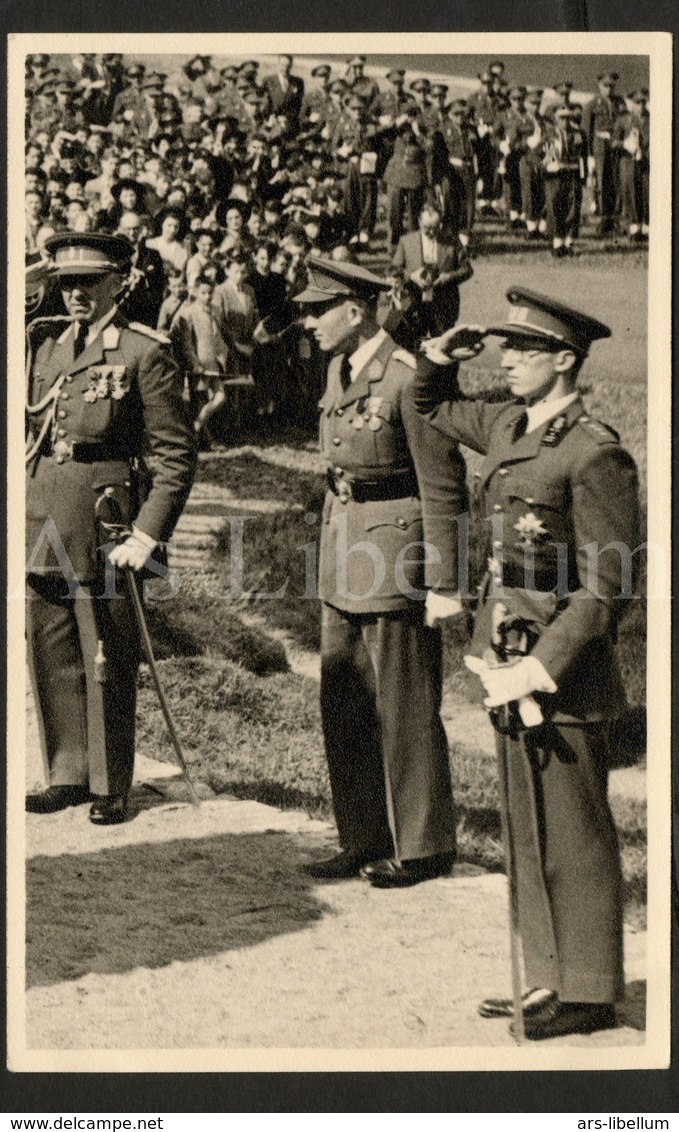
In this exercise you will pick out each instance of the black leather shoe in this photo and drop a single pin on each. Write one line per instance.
(56, 798)
(556, 1019)
(109, 809)
(402, 874)
(532, 1000)
(340, 867)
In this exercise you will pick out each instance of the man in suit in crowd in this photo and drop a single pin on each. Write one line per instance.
(436, 267)
(101, 392)
(555, 484)
(144, 298)
(380, 664)
(285, 91)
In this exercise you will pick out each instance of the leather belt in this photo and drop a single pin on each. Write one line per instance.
(543, 581)
(83, 452)
(368, 491)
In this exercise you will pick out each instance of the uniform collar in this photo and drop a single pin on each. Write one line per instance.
(506, 450)
(364, 353)
(372, 358)
(543, 411)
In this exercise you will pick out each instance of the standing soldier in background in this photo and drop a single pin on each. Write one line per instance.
(531, 169)
(514, 126)
(486, 106)
(458, 172)
(406, 180)
(315, 104)
(631, 140)
(101, 393)
(359, 84)
(380, 663)
(564, 155)
(599, 122)
(355, 141)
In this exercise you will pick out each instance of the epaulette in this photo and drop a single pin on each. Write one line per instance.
(404, 356)
(599, 431)
(149, 332)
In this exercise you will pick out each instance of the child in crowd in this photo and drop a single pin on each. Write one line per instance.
(201, 350)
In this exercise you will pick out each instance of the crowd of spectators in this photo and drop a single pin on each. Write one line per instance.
(226, 180)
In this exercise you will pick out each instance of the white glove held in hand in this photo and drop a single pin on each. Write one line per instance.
(514, 683)
(135, 551)
(439, 606)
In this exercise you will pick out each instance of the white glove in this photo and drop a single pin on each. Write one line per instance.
(135, 551)
(591, 165)
(438, 607)
(514, 683)
(511, 682)
(505, 147)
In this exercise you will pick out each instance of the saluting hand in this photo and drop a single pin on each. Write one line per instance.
(460, 343)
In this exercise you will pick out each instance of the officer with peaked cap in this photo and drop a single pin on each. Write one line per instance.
(380, 664)
(561, 498)
(359, 83)
(631, 140)
(101, 392)
(486, 107)
(599, 121)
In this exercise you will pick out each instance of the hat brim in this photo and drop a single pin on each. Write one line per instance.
(317, 296)
(86, 269)
(514, 333)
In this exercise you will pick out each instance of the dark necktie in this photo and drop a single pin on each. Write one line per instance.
(521, 425)
(345, 374)
(79, 339)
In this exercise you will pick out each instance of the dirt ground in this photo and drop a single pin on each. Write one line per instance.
(194, 928)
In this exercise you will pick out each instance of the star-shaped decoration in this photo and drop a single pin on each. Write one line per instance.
(530, 529)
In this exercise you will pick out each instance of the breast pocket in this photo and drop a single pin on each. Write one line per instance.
(383, 423)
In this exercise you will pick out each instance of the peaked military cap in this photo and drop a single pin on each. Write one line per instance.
(356, 61)
(395, 75)
(421, 84)
(485, 77)
(338, 87)
(229, 72)
(638, 95)
(517, 92)
(88, 253)
(532, 316)
(496, 66)
(321, 72)
(249, 67)
(135, 71)
(458, 106)
(330, 279)
(439, 89)
(564, 87)
(613, 76)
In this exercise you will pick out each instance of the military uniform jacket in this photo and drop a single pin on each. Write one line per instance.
(407, 165)
(635, 128)
(600, 116)
(368, 434)
(122, 392)
(549, 496)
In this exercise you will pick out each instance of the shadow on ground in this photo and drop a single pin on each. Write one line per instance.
(151, 905)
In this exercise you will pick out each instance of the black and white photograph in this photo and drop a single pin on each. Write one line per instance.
(339, 608)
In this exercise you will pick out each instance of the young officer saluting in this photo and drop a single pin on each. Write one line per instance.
(561, 495)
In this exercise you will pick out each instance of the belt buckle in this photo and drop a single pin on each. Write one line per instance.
(344, 491)
(63, 450)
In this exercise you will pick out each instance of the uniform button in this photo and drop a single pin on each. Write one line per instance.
(336, 440)
(497, 507)
(497, 545)
(477, 475)
(529, 500)
(339, 413)
(584, 418)
(339, 471)
(59, 459)
(61, 432)
(69, 378)
(503, 471)
(61, 414)
(65, 396)
(402, 524)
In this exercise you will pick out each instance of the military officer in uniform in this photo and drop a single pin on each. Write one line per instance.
(561, 496)
(102, 392)
(599, 121)
(380, 662)
(631, 140)
(564, 157)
